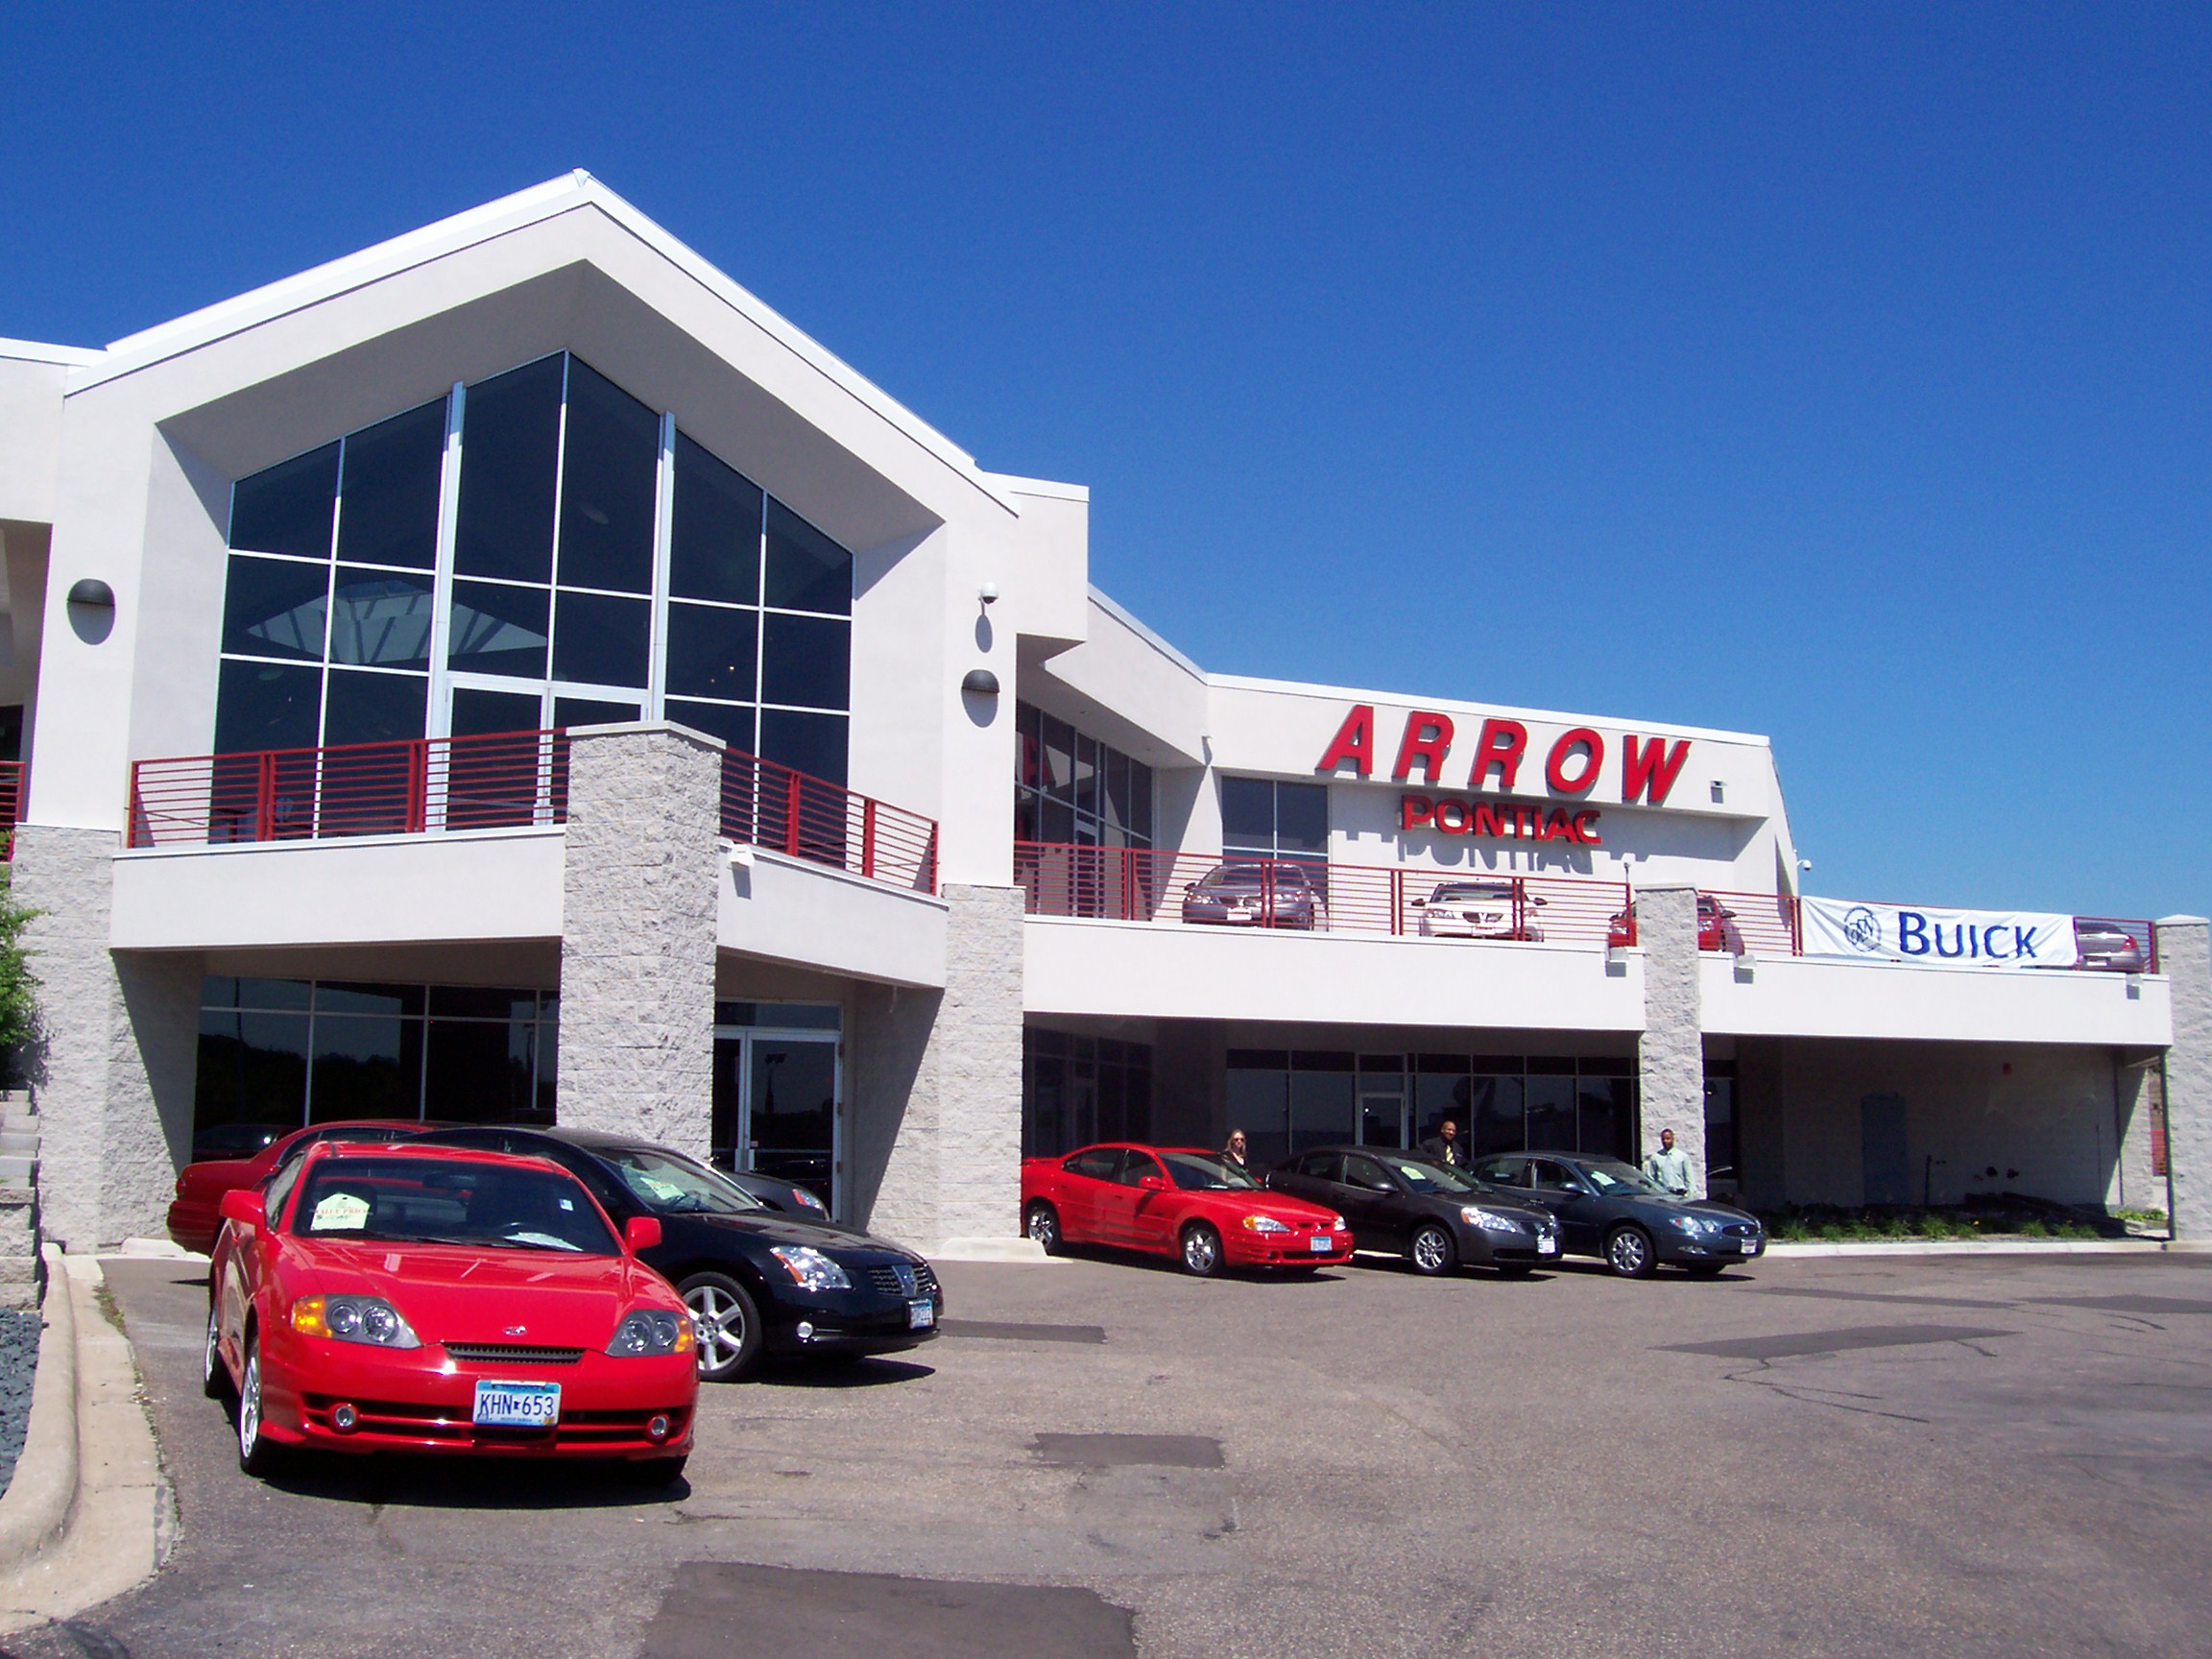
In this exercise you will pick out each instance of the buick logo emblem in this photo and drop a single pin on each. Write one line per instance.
(1862, 929)
(906, 1282)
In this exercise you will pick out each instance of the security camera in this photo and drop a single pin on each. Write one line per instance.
(988, 592)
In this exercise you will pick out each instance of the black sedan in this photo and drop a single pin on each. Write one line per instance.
(784, 1197)
(1438, 1218)
(1609, 1211)
(755, 1282)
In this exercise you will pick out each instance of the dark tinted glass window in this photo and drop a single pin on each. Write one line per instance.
(733, 725)
(288, 508)
(498, 630)
(274, 608)
(1136, 1167)
(262, 706)
(1097, 1165)
(381, 619)
(478, 1071)
(711, 651)
(806, 661)
(252, 1068)
(805, 570)
(483, 1003)
(714, 536)
(391, 487)
(487, 713)
(1059, 743)
(510, 444)
(1302, 817)
(1247, 812)
(570, 711)
(373, 708)
(332, 997)
(601, 640)
(366, 1067)
(610, 463)
(809, 743)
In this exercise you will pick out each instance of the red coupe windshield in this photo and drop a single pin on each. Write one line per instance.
(449, 1201)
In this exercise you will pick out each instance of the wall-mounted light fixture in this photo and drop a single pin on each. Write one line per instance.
(980, 681)
(91, 609)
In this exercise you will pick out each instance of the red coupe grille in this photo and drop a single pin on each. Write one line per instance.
(512, 1353)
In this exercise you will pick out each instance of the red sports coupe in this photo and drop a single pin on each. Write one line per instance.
(1175, 1201)
(196, 1213)
(431, 1299)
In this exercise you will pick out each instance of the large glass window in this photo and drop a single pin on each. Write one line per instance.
(282, 1053)
(556, 544)
(1286, 820)
(1077, 1090)
(1071, 788)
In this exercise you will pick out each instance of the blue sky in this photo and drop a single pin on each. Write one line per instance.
(1840, 374)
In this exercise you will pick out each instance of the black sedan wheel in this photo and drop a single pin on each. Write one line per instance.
(1201, 1250)
(1431, 1251)
(728, 1325)
(1042, 1224)
(1629, 1253)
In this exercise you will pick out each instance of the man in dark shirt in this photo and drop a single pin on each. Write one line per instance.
(1443, 1147)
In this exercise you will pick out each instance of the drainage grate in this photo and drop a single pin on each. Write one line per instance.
(1127, 1451)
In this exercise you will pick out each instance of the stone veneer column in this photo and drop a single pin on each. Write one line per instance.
(2185, 958)
(642, 889)
(1671, 1054)
(952, 1168)
(119, 1045)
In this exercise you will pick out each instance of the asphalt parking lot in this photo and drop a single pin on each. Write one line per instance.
(1966, 1456)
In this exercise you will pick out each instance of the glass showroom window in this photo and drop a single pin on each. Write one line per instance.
(1072, 789)
(287, 1052)
(558, 563)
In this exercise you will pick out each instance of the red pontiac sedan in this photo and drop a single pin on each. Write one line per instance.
(431, 1299)
(1175, 1201)
(196, 1213)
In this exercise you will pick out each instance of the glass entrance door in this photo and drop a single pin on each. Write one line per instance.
(1382, 1101)
(776, 1099)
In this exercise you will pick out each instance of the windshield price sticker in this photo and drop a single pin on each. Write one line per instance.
(518, 1404)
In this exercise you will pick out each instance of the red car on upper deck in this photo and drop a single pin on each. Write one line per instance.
(401, 1298)
(1177, 1201)
(196, 1213)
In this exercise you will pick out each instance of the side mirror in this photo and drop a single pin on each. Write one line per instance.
(1153, 1183)
(243, 1205)
(1419, 903)
(641, 1233)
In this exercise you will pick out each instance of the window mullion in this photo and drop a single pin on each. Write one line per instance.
(664, 525)
(441, 719)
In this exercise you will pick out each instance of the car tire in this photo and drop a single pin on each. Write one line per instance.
(257, 1455)
(1629, 1253)
(655, 1470)
(1430, 1252)
(1201, 1250)
(727, 1322)
(214, 1376)
(1042, 1224)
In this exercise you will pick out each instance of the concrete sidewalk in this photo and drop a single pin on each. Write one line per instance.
(1977, 1247)
(88, 1515)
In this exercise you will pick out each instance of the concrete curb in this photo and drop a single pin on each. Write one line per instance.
(1981, 1247)
(991, 1248)
(116, 1521)
(36, 1510)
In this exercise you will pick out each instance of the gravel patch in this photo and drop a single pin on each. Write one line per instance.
(18, 1361)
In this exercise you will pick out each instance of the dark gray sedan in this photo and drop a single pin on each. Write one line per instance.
(1439, 1219)
(1609, 1211)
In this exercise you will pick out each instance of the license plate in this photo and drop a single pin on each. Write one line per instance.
(1546, 1246)
(518, 1404)
(1321, 1244)
(920, 1315)
(1750, 1246)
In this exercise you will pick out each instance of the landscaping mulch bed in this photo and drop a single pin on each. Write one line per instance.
(18, 1361)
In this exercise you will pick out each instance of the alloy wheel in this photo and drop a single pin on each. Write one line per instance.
(1431, 1250)
(249, 1408)
(1629, 1253)
(1045, 1228)
(720, 1321)
(213, 1379)
(1201, 1249)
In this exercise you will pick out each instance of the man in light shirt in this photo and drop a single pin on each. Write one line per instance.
(1668, 1168)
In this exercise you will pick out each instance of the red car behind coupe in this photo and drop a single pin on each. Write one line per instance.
(431, 1299)
(196, 1213)
(1175, 1201)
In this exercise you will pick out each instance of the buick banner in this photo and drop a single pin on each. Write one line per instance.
(1936, 938)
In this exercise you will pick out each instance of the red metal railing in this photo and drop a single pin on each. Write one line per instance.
(10, 805)
(412, 787)
(1749, 924)
(2098, 936)
(768, 805)
(1251, 890)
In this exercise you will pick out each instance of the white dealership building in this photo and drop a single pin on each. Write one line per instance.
(509, 673)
